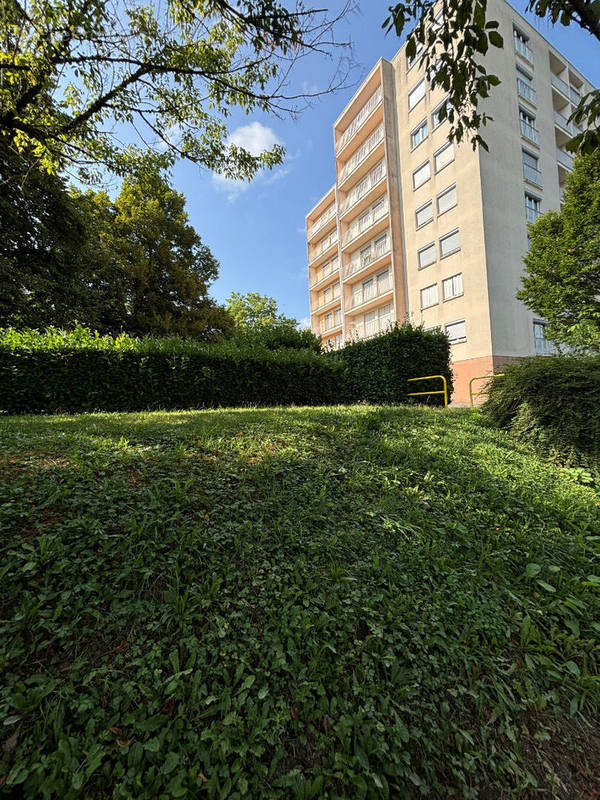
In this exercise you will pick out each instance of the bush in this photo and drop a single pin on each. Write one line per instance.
(552, 402)
(278, 337)
(82, 371)
(377, 370)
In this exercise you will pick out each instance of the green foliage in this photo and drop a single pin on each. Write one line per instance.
(83, 81)
(377, 369)
(277, 337)
(451, 42)
(255, 310)
(553, 403)
(305, 603)
(562, 278)
(83, 371)
(133, 264)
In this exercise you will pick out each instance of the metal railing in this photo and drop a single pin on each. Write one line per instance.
(526, 91)
(325, 272)
(328, 214)
(367, 257)
(363, 151)
(529, 132)
(532, 174)
(564, 123)
(365, 221)
(523, 49)
(443, 391)
(561, 85)
(383, 287)
(473, 394)
(564, 159)
(531, 214)
(359, 120)
(376, 175)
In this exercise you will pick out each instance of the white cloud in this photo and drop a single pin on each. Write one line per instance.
(255, 138)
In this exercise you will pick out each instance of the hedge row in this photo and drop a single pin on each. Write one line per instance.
(552, 402)
(37, 378)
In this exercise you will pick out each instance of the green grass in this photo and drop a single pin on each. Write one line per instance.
(302, 603)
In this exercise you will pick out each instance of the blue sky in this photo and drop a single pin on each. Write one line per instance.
(256, 230)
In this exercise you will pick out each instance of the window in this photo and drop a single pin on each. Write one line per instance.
(444, 156)
(522, 45)
(328, 321)
(429, 296)
(337, 316)
(380, 245)
(543, 347)
(443, 109)
(422, 174)
(424, 214)
(525, 86)
(533, 207)
(446, 199)
(338, 341)
(452, 287)
(450, 243)
(531, 170)
(456, 331)
(419, 135)
(384, 282)
(417, 94)
(426, 255)
(528, 129)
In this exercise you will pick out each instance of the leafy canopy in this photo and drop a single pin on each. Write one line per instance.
(450, 40)
(131, 86)
(562, 279)
(255, 310)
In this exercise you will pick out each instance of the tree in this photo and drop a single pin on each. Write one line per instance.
(81, 80)
(254, 310)
(562, 279)
(451, 44)
(159, 265)
(42, 234)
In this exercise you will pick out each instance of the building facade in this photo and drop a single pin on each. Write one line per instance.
(418, 228)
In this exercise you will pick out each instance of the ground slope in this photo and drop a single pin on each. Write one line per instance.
(337, 603)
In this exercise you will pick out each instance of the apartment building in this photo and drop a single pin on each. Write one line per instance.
(418, 228)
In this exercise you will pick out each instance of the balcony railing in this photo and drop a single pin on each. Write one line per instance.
(532, 174)
(564, 123)
(561, 85)
(325, 301)
(365, 221)
(325, 328)
(324, 244)
(575, 95)
(364, 330)
(526, 91)
(371, 292)
(328, 214)
(363, 151)
(362, 116)
(523, 49)
(360, 190)
(564, 159)
(531, 214)
(529, 132)
(328, 269)
(367, 256)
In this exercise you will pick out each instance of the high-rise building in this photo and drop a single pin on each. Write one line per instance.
(418, 228)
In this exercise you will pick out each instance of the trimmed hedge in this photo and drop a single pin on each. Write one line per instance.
(80, 371)
(377, 370)
(552, 402)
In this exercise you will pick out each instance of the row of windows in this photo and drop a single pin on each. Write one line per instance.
(444, 201)
(449, 244)
(451, 287)
(441, 159)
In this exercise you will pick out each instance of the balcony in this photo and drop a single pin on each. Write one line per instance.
(324, 246)
(564, 159)
(325, 327)
(367, 257)
(361, 154)
(329, 270)
(365, 221)
(526, 91)
(359, 120)
(532, 174)
(356, 194)
(529, 132)
(523, 49)
(565, 125)
(531, 214)
(325, 217)
(371, 292)
(366, 330)
(575, 95)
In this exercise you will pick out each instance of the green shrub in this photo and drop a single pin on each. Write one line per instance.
(82, 371)
(278, 337)
(377, 370)
(552, 402)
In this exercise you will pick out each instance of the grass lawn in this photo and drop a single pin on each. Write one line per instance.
(304, 603)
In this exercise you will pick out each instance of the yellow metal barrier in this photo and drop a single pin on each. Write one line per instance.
(443, 391)
(473, 394)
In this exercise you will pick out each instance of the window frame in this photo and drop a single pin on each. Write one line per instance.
(447, 236)
(437, 294)
(421, 250)
(425, 163)
(441, 194)
(421, 208)
(414, 88)
(456, 322)
(441, 150)
(420, 126)
(454, 296)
